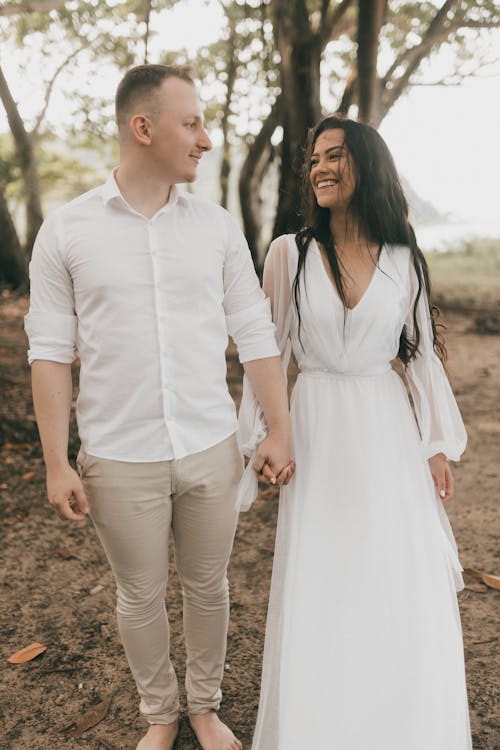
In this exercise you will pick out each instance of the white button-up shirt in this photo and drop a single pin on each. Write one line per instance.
(149, 304)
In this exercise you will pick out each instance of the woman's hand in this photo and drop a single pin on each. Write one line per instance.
(443, 478)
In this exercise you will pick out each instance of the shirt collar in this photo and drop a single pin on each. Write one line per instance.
(111, 191)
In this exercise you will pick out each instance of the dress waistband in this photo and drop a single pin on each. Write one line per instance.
(338, 375)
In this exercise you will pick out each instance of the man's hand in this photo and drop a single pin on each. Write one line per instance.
(66, 494)
(272, 462)
(443, 478)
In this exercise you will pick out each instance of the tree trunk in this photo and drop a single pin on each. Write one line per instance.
(300, 53)
(371, 15)
(254, 167)
(300, 49)
(26, 158)
(13, 270)
(225, 167)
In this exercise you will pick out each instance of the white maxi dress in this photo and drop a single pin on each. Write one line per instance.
(363, 647)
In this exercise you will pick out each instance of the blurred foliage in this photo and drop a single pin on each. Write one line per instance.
(64, 172)
(94, 35)
(468, 277)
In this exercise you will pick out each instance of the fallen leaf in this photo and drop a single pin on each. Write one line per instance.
(27, 654)
(97, 589)
(3, 486)
(490, 580)
(90, 718)
(28, 475)
(9, 460)
(66, 554)
(23, 447)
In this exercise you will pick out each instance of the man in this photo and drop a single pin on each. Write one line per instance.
(147, 282)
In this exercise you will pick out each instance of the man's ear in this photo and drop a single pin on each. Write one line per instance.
(140, 128)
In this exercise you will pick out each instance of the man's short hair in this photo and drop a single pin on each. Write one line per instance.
(141, 82)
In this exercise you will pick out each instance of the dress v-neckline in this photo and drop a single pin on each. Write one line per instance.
(332, 285)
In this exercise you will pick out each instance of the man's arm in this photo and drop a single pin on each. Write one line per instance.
(249, 323)
(272, 460)
(52, 394)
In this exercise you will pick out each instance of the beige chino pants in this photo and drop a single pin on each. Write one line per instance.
(133, 507)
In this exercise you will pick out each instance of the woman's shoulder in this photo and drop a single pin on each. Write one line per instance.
(283, 244)
(400, 256)
(282, 256)
(283, 249)
(399, 251)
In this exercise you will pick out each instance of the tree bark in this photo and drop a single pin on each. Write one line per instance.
(27, 163)
(225, 167)
(371, 14)
(300, 52)
(13, 269)
(300, 43)
(253, 170)
(350, 92)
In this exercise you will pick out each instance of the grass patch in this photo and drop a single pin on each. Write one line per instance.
(468, 278)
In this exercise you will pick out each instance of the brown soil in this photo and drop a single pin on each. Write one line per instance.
(50, 570)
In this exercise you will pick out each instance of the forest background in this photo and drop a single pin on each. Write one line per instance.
(427, 74)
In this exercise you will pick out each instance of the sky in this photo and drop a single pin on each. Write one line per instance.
(444, 139)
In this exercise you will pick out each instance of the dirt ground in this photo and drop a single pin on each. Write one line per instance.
(56, 588)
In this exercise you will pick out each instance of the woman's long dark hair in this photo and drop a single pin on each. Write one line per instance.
(379, 206)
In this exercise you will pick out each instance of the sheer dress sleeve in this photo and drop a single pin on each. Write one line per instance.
(252, 427)
(441, 427)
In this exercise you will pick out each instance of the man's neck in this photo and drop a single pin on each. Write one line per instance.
(142, 190)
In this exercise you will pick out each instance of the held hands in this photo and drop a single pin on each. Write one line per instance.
(66, 494)
(272, 462)
(443, 478)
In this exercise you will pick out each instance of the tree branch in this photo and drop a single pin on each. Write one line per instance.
(38, 6)
(251, 173)
(50, 87)
(26, 159)
(329, 22)
(471, 24)
(147, 20)
(436, 31)
(350, 91)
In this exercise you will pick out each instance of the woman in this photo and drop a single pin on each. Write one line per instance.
(363, 643)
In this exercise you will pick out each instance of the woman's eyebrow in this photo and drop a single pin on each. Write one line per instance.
(329, 150)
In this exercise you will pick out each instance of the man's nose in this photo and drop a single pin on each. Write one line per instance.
(204, 142)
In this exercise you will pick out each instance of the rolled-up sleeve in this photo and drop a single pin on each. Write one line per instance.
(51, 323)
(248, 313)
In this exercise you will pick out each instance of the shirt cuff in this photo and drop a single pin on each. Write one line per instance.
(51, 337)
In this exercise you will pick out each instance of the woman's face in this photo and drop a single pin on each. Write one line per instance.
(332, 171)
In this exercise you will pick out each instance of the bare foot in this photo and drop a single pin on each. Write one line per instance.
(159, 737)
(212, 734)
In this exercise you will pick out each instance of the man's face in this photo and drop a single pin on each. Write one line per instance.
(178, 137)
